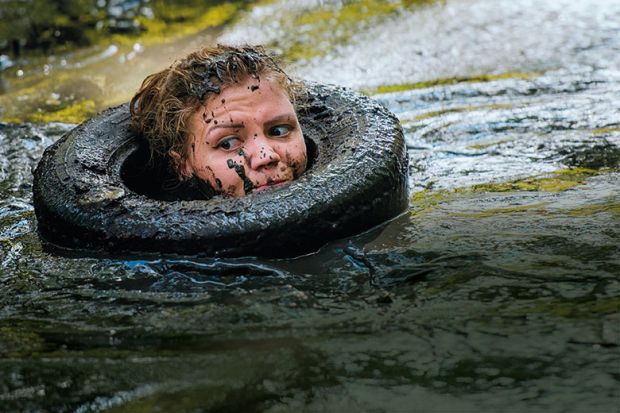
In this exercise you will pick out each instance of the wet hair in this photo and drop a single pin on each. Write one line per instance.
(162, 107)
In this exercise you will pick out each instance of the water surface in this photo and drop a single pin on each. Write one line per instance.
(498, 289)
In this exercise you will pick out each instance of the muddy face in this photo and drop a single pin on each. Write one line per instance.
(246, 139)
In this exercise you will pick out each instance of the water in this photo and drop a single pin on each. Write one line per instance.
(498, 290)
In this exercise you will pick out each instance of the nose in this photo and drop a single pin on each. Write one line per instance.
(261, 153)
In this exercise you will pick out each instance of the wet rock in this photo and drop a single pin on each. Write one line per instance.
(600, 156)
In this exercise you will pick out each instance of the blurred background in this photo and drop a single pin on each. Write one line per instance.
(63, 61)
(66, 60)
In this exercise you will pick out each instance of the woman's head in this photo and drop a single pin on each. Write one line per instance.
(225, 115)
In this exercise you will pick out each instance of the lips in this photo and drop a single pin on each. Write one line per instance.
(269, 185)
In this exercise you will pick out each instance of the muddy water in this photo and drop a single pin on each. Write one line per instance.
(498, 290)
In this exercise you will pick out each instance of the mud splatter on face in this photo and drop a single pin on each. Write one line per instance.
(240, 170)
(254, 87)
(209, 76)
(206, 118)
(249, 160)
(299, 167)
(209, 170)
(230, 191)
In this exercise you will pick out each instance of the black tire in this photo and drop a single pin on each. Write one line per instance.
(357, 180)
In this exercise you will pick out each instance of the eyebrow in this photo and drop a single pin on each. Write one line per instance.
(276, 119)
(281, 118)
(225, 126)
(228, 125)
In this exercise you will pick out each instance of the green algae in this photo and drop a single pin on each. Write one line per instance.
(74, 113)
(18, 342)
(67, 96)
(425, 201)
(72, 89)
(530, 184)
(459, 109)
(437, 113)
(606, 130)
(403, 87)
(60, 26)
(560, 180)
(612, 208)
(480, 146)
(182, 21)
(349, 18)
(536, 209)
(590, 307)
(47, 25)
(34, 96)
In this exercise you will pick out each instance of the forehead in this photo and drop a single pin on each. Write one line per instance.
(252, 91)
(246, 102)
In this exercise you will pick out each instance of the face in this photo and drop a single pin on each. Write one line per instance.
(246, 139)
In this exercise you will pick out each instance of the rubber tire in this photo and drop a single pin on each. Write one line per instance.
(357, 180)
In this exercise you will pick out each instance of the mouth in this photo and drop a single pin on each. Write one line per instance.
(268, 185)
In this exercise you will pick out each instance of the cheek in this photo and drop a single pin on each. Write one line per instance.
(296, 156)
(226, 179)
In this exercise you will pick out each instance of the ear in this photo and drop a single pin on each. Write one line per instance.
(181, 164)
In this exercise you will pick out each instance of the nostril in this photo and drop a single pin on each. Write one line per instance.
(266, 157)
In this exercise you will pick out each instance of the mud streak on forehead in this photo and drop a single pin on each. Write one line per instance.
(209, 76)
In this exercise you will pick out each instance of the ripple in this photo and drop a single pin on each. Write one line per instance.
(496, 290)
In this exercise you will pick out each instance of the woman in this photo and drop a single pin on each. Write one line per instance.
(224, 119)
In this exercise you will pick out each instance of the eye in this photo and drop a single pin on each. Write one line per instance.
(230, 143)
(280, 130)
